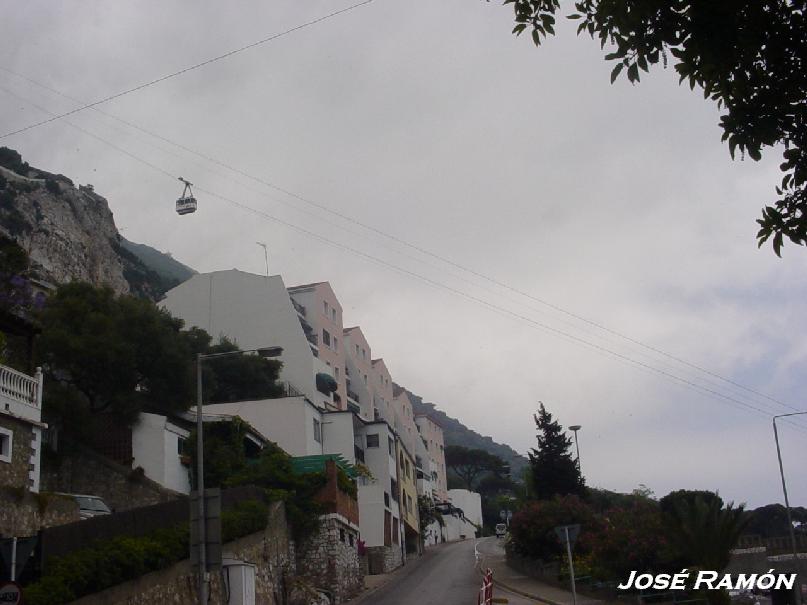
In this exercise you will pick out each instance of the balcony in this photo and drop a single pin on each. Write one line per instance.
(298, 307)
(21, 394)
(289, 390)
(359, 453)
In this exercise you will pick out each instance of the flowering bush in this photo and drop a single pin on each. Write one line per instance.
(631, 537)
(532, 529)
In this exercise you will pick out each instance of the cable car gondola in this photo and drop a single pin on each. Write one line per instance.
(186, 203)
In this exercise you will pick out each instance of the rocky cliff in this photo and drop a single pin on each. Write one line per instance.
(68, 232)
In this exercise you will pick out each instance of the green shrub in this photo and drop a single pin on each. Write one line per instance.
(110, 562)
(246, 518)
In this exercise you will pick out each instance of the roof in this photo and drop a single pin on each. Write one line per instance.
(301, 465)
(397, 390)
(430, 418)
(302, 286)
(351, 328)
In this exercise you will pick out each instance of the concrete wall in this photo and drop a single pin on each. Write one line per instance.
(338, 434)
(155, 448)
(469, 502)
(288, 421)
(253, 310)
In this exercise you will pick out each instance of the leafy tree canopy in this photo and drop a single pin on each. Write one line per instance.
(554, 472)
(121, 355)
(470, 464)
(686, 497)
(750, 56)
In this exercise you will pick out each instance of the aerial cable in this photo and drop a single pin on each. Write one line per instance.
(408, 244)
(185, 70)
(728, 399)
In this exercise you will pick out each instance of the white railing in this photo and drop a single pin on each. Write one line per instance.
(20, 387)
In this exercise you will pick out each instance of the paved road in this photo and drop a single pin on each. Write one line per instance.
(445, 575)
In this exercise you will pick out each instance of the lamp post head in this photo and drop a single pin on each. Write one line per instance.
(575, 427)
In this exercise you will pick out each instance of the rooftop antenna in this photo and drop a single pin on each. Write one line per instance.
(265, 256)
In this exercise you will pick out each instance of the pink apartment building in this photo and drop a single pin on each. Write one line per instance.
(317, 305)
(382, 387)
(358, 372)
(432, 434)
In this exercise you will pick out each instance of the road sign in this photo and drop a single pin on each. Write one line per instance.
(10, 593)
(573, 532)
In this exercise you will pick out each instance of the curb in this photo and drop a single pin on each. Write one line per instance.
(524, 594)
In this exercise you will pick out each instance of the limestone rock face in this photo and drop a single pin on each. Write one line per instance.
(68, 232)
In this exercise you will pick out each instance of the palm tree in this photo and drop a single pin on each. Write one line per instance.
(703, 532)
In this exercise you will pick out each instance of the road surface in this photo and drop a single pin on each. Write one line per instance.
(445, 575)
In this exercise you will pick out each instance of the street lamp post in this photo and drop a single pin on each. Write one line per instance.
(200, 463)
(787, 501)
(574, 428)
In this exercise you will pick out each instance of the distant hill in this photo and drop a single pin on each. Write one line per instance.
(162, 263)
(456, 433)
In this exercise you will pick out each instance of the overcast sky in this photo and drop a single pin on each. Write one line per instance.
(429, 122)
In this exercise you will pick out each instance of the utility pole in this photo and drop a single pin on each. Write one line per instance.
(787, 501)
(265, 255)
(200, 484)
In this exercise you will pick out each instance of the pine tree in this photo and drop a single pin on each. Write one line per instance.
(554, 471)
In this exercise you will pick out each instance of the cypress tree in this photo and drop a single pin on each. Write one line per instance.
(554, 471)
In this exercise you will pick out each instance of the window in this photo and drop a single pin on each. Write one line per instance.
(372, 440)
(386, 499)
(350, 538)
(363, 354)
(333, 314)
(336, 372)
(407, 469)
(365, 379)
(317, 431)
(5, 445)
(326, 338)
(325, 307)
(391, 447)
(357, 350)
(341, 535)
(335, 343)
(180, 445)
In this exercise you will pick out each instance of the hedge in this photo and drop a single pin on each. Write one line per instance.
(111, 562)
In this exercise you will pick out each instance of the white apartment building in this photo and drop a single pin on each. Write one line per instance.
(470, 503)
(306, 321)
(256, 312)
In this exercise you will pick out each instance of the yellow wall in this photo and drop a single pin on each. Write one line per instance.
(408, 487)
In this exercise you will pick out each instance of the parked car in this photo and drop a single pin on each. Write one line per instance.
(89, 506)
(501, 530)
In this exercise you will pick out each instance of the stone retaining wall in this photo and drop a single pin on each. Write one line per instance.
(330, 560)
(23, 513)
